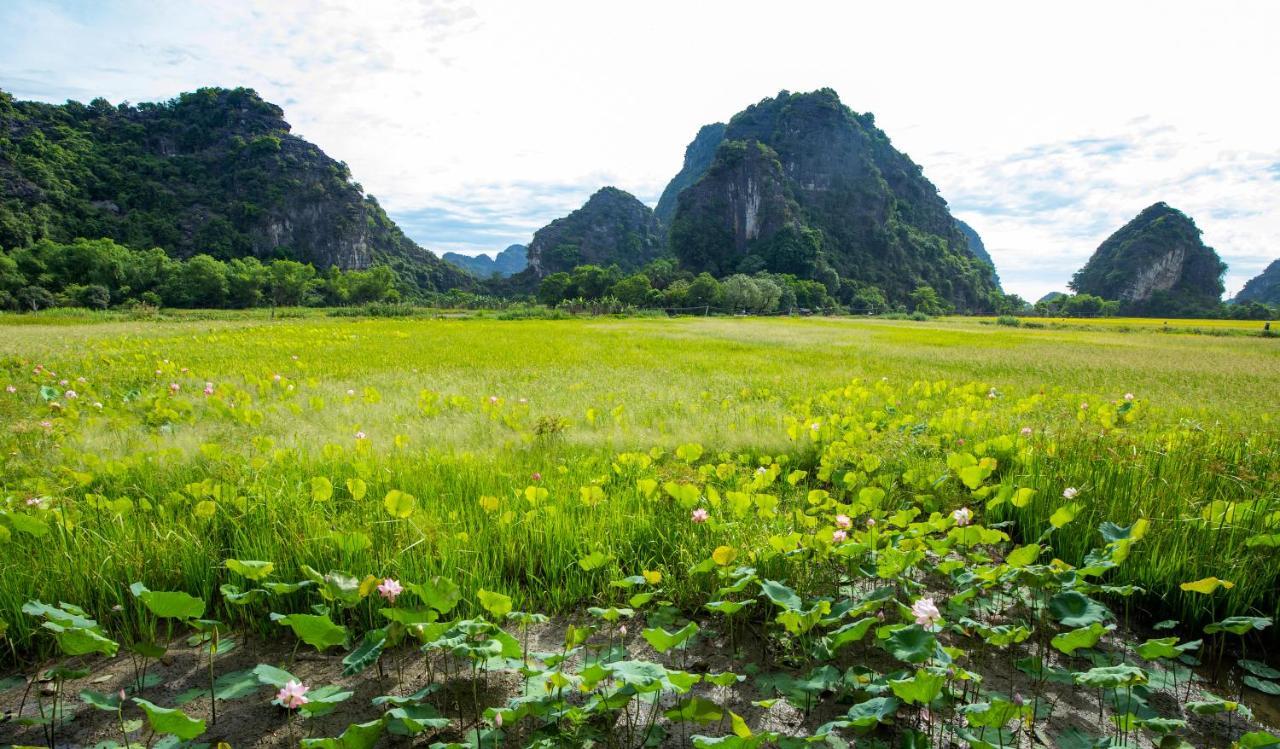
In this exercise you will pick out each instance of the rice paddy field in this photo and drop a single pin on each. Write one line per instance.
(637, 532)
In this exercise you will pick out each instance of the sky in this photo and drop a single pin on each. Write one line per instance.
(1045, 125)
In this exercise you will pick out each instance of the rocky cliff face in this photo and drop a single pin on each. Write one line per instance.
(506, 263)
(800, 184)
(216, 171)
(1155, 264)
(611, 228)
(1264, 287)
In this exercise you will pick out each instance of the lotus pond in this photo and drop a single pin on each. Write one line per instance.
(631, 533)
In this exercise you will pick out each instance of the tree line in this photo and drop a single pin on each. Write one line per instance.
(98, 273)
(662, 284)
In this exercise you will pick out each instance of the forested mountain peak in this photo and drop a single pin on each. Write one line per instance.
(215, 171)
(801, 184)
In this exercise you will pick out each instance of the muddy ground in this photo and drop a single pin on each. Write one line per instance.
(252, 721)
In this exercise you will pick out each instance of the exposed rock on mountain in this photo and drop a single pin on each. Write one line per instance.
(506, 263)
(612, 227)
(1264, 287)
(801, 184)
(1155, 264)
(216, 171)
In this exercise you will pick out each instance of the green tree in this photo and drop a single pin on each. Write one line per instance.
(704, 291)
(554, 288)
(204, 282)
(868, 300)
(636, 290)
(926, 301)
(287, 282)
(247, 279)
(592, 281)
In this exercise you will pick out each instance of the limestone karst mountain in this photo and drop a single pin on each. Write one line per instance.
(1156, 265)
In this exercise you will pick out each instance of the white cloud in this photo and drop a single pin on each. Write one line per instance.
(475, 123)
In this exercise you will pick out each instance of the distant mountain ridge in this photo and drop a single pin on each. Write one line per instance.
(978, 249)
(1264, 287)
(698, 156)
(801, 184)
(506, 263)
(216, 171)
(1155, 264)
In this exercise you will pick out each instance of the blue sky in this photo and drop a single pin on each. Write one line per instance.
(1045, 125)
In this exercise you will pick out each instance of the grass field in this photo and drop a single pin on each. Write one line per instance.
(544, 460)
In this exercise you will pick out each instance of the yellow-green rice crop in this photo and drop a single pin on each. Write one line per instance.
(501, 453)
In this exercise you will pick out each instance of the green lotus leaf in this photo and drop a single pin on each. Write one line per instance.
(355, 736)
(912, 644)
(1112, 677)
(314, 629)
(1075, 609)
(170, 720)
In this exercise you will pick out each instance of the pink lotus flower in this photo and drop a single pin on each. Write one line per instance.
(11, 389)
(97, 405)
(275, 378)
(844, 521)
(208, 388)
(960, 441)
(81, 380)
(1026, 432)
(293, 695)
(815, 426)
(700, 515)
(535, 476)
(351, 392)
(360, 435)
(1070, 492)
(64, 383)
(71, 395)
(871, 522)
(926, 612)
(962, 516)
(493, 399)
(839, 536)
(47, 424)
(1084, 406)
(1128, 396)
(34, 502)
(524, 400)
(390, 589)
(622, 630)
(174, 387)
(497, 720)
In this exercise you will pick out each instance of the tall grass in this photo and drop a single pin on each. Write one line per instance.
(163, 486)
